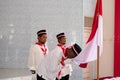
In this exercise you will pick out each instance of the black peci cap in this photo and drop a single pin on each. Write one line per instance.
(76, 49)
(60, 35)
(41, 32)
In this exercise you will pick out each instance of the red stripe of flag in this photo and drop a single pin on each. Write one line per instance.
(89, 53)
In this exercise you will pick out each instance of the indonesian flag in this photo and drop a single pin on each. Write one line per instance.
(89, 52)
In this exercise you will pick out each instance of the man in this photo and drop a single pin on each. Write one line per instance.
(66, 71)
(38, 51)
(51, 66)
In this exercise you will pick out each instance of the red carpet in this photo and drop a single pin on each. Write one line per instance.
(105, 78)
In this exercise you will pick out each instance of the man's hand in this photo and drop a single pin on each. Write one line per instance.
(33, 71)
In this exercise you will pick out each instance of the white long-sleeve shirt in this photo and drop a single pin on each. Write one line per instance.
(51, 65)
(36, 56)
(67, 69)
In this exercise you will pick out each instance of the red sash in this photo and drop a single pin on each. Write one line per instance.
(43, 48)
(63, 57)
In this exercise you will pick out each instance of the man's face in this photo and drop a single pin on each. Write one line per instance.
(69, 53)
(62, 40)
(42, 38)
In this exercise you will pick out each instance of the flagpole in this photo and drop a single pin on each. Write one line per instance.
(97, 62)
(98, 59)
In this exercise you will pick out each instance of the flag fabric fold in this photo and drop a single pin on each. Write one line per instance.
(89, 52)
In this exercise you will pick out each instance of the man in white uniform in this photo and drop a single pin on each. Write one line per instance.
(67, 68)
(51, 66)
(38, 51)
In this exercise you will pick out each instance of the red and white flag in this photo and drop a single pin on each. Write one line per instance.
(89, 52)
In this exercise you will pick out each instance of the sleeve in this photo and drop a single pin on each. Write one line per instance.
(67, 69)
(31, 62)
(68, 61)
(47, 50)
